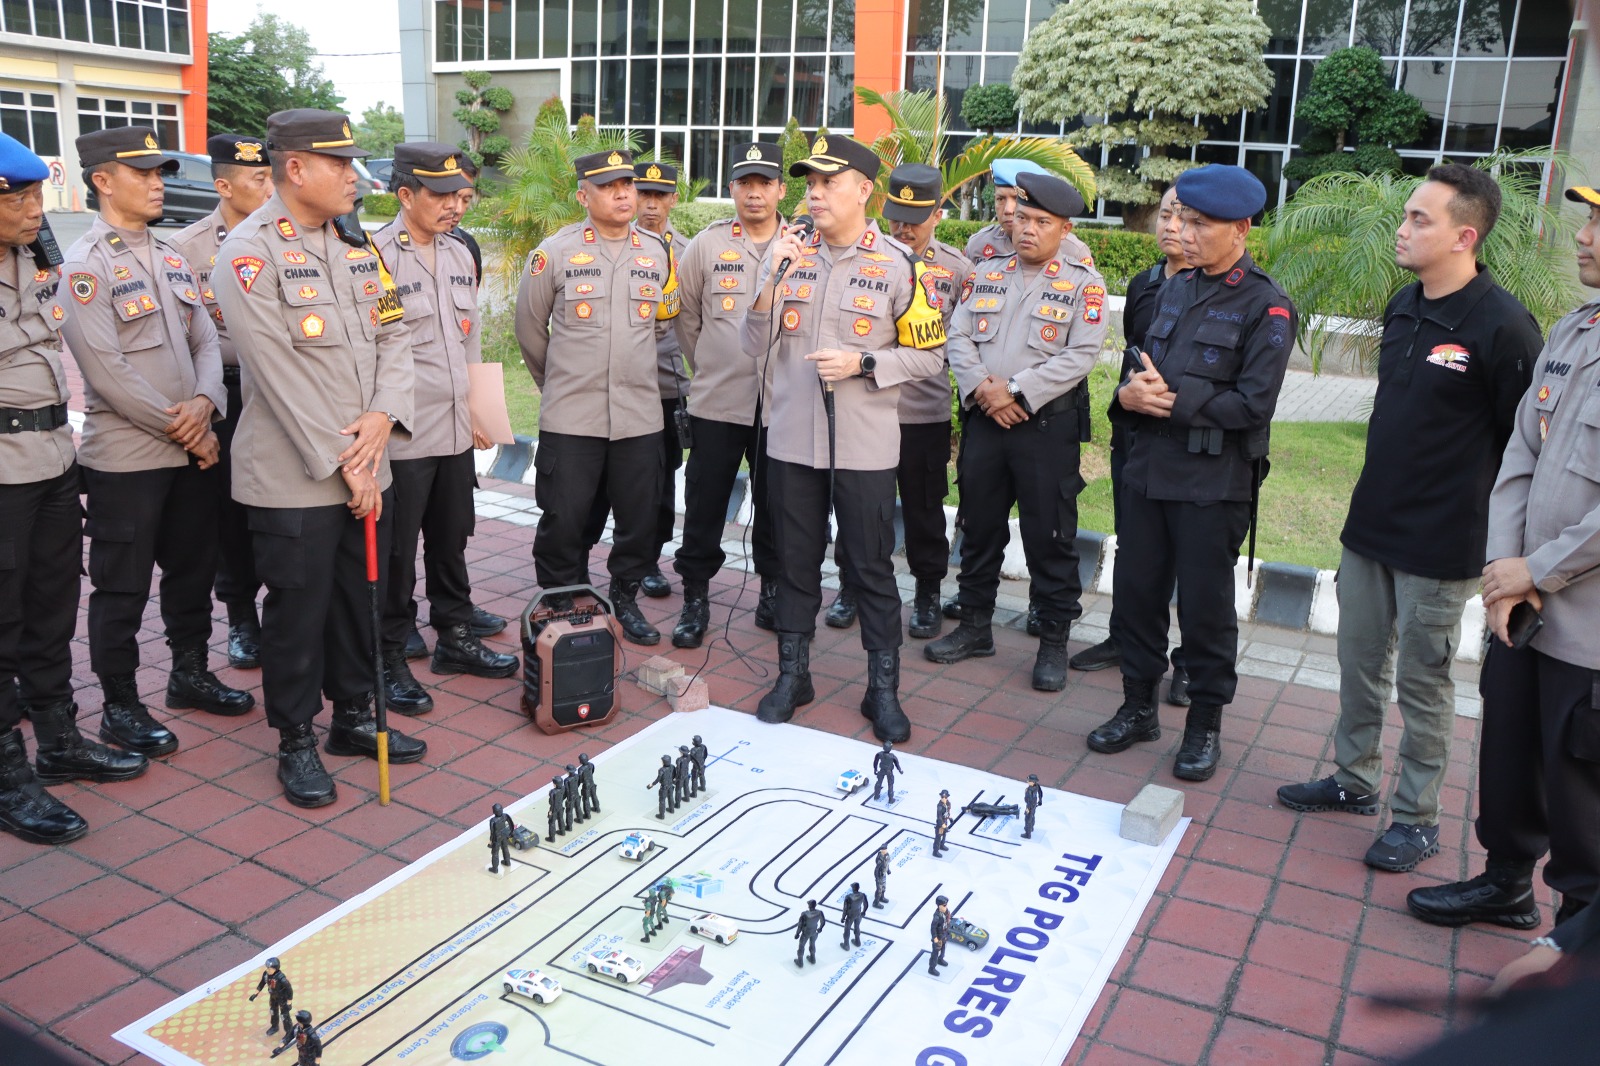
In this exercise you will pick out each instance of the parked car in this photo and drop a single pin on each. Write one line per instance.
(624, 968)
(366, 184)
(714, 927)
(532, 983)
(381, 170)
(190, 193)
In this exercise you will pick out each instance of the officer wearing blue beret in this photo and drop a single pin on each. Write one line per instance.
(1198, 415)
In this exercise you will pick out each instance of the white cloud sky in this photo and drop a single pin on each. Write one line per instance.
(337, 28)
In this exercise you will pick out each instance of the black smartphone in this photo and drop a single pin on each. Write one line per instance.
(1523, 624)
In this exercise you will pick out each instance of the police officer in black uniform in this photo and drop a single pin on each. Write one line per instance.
(591, 796)
(805, 931)
(279, 994)
(885, 764)
(853, 906)
(500, 829)
(557, 802)
(939, 930)
(1198, 417)
(941, 823)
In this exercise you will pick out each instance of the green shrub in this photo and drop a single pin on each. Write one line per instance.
(1120, 254)
(690, 219)
(956, 233)
(381, 204)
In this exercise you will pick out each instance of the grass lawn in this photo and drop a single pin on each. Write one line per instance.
(1303, 502)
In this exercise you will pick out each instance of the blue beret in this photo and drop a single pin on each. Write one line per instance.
(1006, 171)
(18, 165)
(1223, 192)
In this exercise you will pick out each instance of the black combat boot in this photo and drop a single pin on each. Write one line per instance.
(1050, 665)
(842, 612)
(1201, 749)
(416, 647)
(192, 685)
(691, 627)
(244, 644)
(457, 651)
(972, 639)
(26, 809)
(655, 585)
(794, 680)
(881, 704)
(354, 731)
(1031, 626)
(624, 600)
(300, 772)
(1098, 656)
(1502, 894)
(767, 605)
(64, 754)
(1178, 690)
(951, 608)
(403, 693)
(1135, 720)
(126, 722)
(485, 624)
(925, 618)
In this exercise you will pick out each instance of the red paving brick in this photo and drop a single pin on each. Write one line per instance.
(1192, 976)
(1245, 1041)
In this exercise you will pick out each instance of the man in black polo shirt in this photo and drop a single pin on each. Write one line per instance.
(1458, 352)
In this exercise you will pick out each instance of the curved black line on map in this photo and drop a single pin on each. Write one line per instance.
(516, 1002)
(864, 1016)
(807, 891)
(652, 1021)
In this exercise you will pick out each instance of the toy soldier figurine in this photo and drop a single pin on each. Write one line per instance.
(698, 752)
(279, 993)
(591, 797)
(500, 829)
(1032, 800)
(664, 892)
(651, 905)
(663, 780)
(855, 905)
(573, 787)
(558, 798)
(884, 765)
(940, 931)
(941, 823)
(880, 876)
(304, 1036)
(805, 931)
(683, 775)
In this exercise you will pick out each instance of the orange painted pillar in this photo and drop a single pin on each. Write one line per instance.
(880, 59)
(195, 106)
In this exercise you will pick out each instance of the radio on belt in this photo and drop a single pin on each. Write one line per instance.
(570, 660)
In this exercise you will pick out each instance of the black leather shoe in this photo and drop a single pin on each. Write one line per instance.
(402, 693)
(485, 624)
(416, 647)
(1502, 894)
(951, 608)
(26, 809)
(1050, 664)
(881, 704)
(655, 585)
(972, 639)
(793, 688)
(842, 613)
(305, 782)
(926, 620)
(354, 731)
(635, 626)
(1101, 656)
(1031, 626)
(244, 646)
(457, 651)
(1136, 720)
(64, 754)
(1201, 751)
(1178, 690)
(192, 685)
(767, 605)
(696, 616)
(126, 722)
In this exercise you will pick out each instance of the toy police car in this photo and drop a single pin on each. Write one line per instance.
(964, 932)
(851, 780)
(533, 984)
(636, 845)
(624, 968)
(713, 927)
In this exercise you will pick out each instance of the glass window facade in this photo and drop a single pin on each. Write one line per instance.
(105, 112)
(31, 118)
(146, 25)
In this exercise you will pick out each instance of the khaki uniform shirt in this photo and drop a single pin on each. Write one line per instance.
(670, 368)
(851, 299)
(315, 357)
(1546, 502)
(1044, 331)
(31, 376)
(717, 283)
(992, 241)
(441, 306)
(198, 243)
(927, 400)
(144, 343)
(586, 321)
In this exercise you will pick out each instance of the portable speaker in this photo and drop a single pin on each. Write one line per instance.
(570, 660)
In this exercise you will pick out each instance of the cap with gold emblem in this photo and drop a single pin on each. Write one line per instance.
(1583, 194)
(913, 193)
(306, 129)
(1049, 193)
(603, 168)
(832, 153)
(655, 177)
(435, 164)
(237, 150)
(133, 145)
(758, 158)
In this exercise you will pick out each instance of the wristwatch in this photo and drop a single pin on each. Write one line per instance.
(1012, 387)
(869, 363)
(392, 418)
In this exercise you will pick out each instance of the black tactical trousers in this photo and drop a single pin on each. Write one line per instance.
(708, 486)
(1119, 459)
(570, 471)
(237, 584)
(666, 511)
(433, 501)
(41, 561)
(923, 479)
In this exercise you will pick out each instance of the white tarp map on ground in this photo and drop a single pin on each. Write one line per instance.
(413, 970)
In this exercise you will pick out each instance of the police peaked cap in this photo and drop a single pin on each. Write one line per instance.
(1227, 193)
(435, 165)
(307, 129)
(1583, 194)
(757, 157)
(832, 152)
(655, 177)
(133, 145)
(1049, 193)
(914, 193)
(603, 168)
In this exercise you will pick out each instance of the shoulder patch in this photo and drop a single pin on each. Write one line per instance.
(1094, 299)
(537, 264)
(248, 269)
(83, 286)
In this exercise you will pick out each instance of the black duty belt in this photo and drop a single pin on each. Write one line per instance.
(37, 419)
(1073, 400)
(230, 374)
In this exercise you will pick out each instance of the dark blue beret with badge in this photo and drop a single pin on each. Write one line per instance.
(1226, 193)
(1049, 193)
(19, 167)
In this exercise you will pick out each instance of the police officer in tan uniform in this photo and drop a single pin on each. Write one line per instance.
(587, 309)
(912, 211)
(433, 469)
(41, 535)
(852, 311)
(1024, 338)
(152, 372)
(327, 380)
(717, 276)
(242, 175)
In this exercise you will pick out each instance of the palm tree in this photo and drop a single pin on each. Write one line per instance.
(918, 135)
(1332, 249)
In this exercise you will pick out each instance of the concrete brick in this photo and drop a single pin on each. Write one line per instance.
(686, 695)
(1151, 815)
(656, 671)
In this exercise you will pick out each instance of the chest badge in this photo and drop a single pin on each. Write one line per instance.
(294, 257)
(313, 326)
(584, 310)
(121, 273)
(1451, 357)
(1048, 333)
(791, 320)
(862, 326)
(727, 303)
(307, 292)
(1544, 393)
(581, 259)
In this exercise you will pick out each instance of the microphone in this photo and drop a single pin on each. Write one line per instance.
(807, 226)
